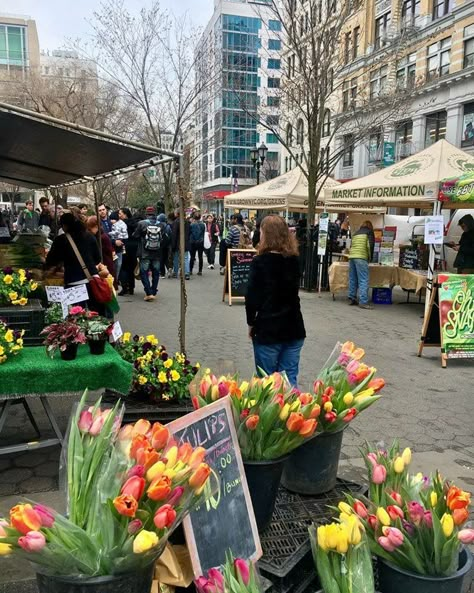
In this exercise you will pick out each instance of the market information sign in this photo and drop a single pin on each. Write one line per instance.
(226, 520)
(388, 154)
(323, 233)
(456, 315)
(237, 273)
(434, 230)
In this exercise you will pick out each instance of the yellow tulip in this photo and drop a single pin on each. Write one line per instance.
(433, 499)
(348, 399)
(383, 516)
(342, 541)
(366, 393)
(353, 529)
(406, 455)
(285, 412)
(331, 535)
(398, 465)
(267, 381)
(295, 406)
(328, 406)
(155, 471)
(214, 393)
(145, 540)
(322, 540)
(172, 456)
(345, 508)
(447, 523)
(244, 386)
(5, 549)
(419, 476)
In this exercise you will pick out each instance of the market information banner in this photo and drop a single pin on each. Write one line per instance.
(456, 314)
(237, 273)
(226, 520)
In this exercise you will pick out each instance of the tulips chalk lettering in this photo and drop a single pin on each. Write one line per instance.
(199, 435)
(461, 315)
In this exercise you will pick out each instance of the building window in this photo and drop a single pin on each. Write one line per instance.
(375, 147)
(271, 139)
(406, 70)
(347, 47)
(291, 66)
(331, 79)
(403, 139)
(274, 44)
(348, 151)
(440, 8)
(286, 164)
(349, 93)
(355, 42)
(273, 101)
(274, 64)
(410, 10)
(378, 82)
(273, 83)
(300, 132)
(274, 25)
(273, 120)
(289, 134)
(468, 46)
(13, 45)
(327, 123)
(381, 29)
(439, 58)
(468, 125)
(435, 127)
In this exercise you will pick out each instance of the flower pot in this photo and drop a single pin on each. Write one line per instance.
(263, 478)
(70, 353)
(312, 468)
(393, 579)
(97, 346)
(131, 582)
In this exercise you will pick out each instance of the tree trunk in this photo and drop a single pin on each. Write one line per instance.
(310, 263)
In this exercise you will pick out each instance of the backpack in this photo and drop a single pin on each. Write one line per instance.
(153, 237)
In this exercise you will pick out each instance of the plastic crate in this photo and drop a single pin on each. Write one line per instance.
(287, 559)
(382, 296)
(136, 408)
(30, 318)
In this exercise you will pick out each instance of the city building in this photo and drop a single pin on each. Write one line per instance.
(238, 73)
(67, 65)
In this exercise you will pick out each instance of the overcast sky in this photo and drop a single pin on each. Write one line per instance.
(60, 19)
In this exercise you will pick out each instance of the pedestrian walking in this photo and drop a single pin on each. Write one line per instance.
(150, 232)
(196, 242)
(129, 261)
(175, 246)
(165, 246)
(274, 319)
(213, 235)
(362, 249)
(118, 235)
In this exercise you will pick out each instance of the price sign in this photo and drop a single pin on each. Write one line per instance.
(76, 294)
(55, 294)
(117, 332)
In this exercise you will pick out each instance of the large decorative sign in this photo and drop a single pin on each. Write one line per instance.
(460, 189)
(456, 314)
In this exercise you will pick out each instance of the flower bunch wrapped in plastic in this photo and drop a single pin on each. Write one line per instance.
(15, 287)
(271, 417)
(127, 491)
(236, 576)
(157, 374)
(11, 342)
(345, 387)
(342, 557)
(419, 528)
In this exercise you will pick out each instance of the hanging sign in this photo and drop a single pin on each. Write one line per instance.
(388, 153)
(323, 233)
(434, 230)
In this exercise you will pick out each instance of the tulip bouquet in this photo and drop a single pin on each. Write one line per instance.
(342, 556)
(11, 342)
(15, 287)
(127, 490)
(237, 576)
(271, 417)
(157, 374)
(345, 387)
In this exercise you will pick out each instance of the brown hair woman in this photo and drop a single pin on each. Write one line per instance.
(272, 303)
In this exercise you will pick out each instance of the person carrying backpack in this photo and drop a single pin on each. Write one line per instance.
(151, 233)
(196, 236)
(165, 246)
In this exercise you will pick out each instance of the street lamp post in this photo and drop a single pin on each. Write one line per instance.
(257, 156)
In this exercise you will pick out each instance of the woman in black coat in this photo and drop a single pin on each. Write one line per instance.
(129, 261)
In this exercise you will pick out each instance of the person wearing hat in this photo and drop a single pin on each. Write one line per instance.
(464, 261)
(150, 233)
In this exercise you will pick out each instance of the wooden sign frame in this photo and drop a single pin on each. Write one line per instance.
(223, 404)
(433, 309)
(228, 276)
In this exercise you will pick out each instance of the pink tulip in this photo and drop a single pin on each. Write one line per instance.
(85, 421)
(215, 576)
(223, 389)
(136, 470)
(416, 512)
(397, 498)
(386, 544)
(395, 512)
(343, 359)
(379, 473)
(134, 526)
(466, 536)
(317, 386)
(125, 433)
(353, 366)
(204, 388)
(428, 519)
(47, 517)
(372, 457)
(242, 570)
(97, 425)
(394, 535)
(33, 541)
(201, 583)
(3, 524)
(175, 496)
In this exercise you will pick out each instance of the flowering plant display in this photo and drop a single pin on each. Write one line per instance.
(11, 342)
(345, 387)
(271, 417)
(53, 314)
(342, 556)
(157, 374)
(236, 576)
(127, 490)
(15, 287)
(61, 335)
(418, 528)
(94, 326)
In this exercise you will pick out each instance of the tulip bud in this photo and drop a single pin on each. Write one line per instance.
(285, 412)
(433, 499)
(372, 520)
(416, 512)
(406, 456)
(428, 519)
(85, 421)
(199, 477)
(318, 386)
(164, 517)
(315, 412)
(308, 428)
(134, 486)
(360, 509)
(144, 541)
(252, 422)
(328, 407)
(460, 516)
(242, 570)
(175, 496)
(348, 398)
(3, 524)
(383, 516)
(46, 516)
(398, 465)
(466, 536)
(97, 425)
(372, 457)
(447, 523)
(345, 508)
(33, 541)
(215, 577)
(397, 498)
(214, 393)
(136, 470)
(379, 474)
(395, 536)
(134, 526)
(386, 544)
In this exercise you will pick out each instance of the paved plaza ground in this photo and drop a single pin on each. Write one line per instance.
(428, 408)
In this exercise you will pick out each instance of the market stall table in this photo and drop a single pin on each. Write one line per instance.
(378, 276)
(413, 280)
(34, 374)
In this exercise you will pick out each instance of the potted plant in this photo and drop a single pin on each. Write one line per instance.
(124, 497)
(11, 342)
(64, 336)
(15, 287)
(97, 332)
(344, 388)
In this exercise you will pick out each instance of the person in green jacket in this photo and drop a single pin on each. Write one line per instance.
(362, 249)
(28, 220)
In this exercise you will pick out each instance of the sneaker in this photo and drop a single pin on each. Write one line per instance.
(222, 271)
(187, 277)
(162, 277)
(199, 273)
(352, 302)
(123, 292)
(152, 297)
(211, 267)
(148, 298)
(369, 307)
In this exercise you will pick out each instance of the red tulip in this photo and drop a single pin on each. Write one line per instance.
(395, 512)
(330, 417)
(372, 520)
(350, 414)
(360, 509)
(396, 497)
(329, 391)
(33, 541)
(24, 518)
(164, 517)
(195, 402)
(159, 436)
(242, 570)
(317, 386)
(85, 421)
(252, 421)
(134, 486)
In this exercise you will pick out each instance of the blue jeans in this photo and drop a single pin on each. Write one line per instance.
(359, 278)
(150, 265)
(176, 263)
(279, 357)
(118, 264)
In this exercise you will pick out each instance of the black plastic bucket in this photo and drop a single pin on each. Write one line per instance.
(70, 353)
(131, 582)
(396, 580)
(312, 468)
(263, 478)
(97, 346)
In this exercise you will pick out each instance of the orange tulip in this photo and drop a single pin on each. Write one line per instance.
(159, 436)
(197, 457)
(376, 384)
(199, 476)
(347, 347)
(295, 422)
(24, 518)
(126, 505)
(308, 428)
(138, 442)
(160, 488)
(358, 353)
(184, 452)
(316, 411)
(460, 516)
(142, 426)
(147, 456)
(457, 498)
(252, 421)
(305, 398)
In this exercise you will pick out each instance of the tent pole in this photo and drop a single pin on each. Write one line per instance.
(96, 206)
(286, 216)
(431, 263)
(182, 256)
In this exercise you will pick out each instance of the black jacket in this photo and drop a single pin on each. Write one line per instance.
(465, 256)
(175, 235)
(61, 252)
(272, 302)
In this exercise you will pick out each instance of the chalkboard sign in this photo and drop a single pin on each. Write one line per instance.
(237, 273)
(226, 520)
(409, 259)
